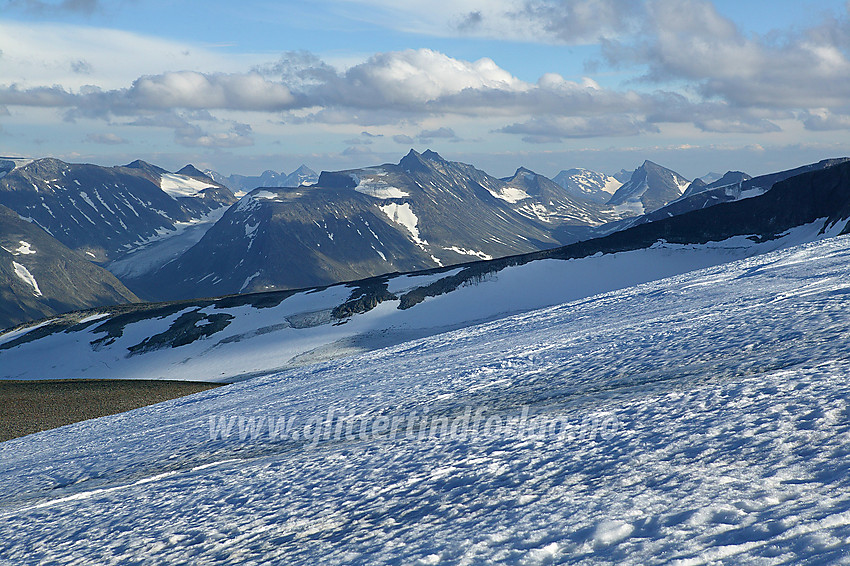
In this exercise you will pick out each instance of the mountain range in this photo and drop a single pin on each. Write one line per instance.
(106, 212)
(672, 387)
(200, 339)
(182, 235)
(421, 213)
(242, 184)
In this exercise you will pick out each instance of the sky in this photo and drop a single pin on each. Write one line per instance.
(241, 87)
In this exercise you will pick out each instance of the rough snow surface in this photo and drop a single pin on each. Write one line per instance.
(24, 275)
(182, 186)
(696, 420)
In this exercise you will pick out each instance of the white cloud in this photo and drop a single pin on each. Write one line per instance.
(239, 135)
(822, 119)
(691, 40)
(412, 78)
(47, 54)
(189, 89)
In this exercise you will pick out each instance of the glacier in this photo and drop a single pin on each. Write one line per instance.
(703, 418)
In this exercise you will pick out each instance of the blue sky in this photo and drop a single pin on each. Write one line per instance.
(694, 85)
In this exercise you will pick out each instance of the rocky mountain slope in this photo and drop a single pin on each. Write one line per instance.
(104, 212)
(650, 187)
(421, 213)
(742, 186)
(40, 277)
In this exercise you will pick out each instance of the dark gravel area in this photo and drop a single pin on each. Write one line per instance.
(32, 406)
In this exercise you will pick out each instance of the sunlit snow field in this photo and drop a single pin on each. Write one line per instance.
(702, 418)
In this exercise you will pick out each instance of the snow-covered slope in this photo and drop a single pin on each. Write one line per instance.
(232, 338)
(699, 419)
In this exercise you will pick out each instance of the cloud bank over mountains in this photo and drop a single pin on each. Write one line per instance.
(684, 63)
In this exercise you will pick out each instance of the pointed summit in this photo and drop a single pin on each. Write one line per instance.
(192, 171)
(414, 161)
(432, 155)
(146, 167)
(651, 187)
(301, 176)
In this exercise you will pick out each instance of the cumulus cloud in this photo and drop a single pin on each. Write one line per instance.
(410, 79)
(691, 40)
(822, 119)
(190, 89)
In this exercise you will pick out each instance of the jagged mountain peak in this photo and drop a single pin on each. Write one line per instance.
(303, 169)
(651, 186)
(414, 160)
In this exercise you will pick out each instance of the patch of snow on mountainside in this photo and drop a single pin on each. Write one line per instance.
(377, 188)
(611, 185)
(698, 419)
(24, 275)
(403, 215)
(182, 186)
(508, 194)
(463, 251)
(24, 248)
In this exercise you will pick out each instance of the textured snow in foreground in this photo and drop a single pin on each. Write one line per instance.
(707, 419)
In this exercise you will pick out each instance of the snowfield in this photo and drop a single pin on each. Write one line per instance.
(301, 330)
(698, 419)
(183, 186)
